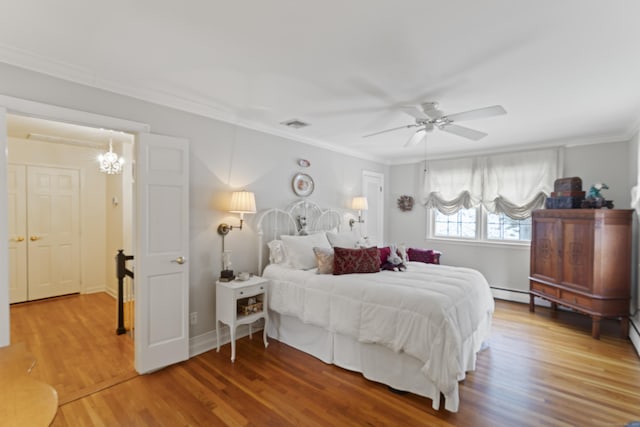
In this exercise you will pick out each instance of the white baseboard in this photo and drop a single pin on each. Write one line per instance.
(207, 341)
(515, 296)
(93, 290)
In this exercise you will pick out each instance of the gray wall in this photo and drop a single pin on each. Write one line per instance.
(223, 158)
(507, 266)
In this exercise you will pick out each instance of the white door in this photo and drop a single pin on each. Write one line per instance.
(373, 190)
(162, 251)
(17, 204)
(53, 222)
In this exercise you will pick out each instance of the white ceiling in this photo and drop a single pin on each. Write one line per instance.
(565, 70)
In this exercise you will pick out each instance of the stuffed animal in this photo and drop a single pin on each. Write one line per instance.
(394, 261)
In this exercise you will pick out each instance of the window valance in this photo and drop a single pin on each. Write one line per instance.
(513, 183)
(451, 185)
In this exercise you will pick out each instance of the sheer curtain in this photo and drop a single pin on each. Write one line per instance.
(513, 184)
(517, 183)
(451, 185)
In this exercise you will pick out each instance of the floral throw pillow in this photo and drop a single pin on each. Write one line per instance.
(348, 261)
(324, 260)
(428, 256)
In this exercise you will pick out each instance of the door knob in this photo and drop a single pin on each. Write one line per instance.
(179, 260)
(34, 238)
(19, 239)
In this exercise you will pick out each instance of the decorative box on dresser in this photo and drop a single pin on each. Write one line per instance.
(581, 259)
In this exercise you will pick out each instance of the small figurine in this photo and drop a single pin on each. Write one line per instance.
(594, 191)
(594, 199)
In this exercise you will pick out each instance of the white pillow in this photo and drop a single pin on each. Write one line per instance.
(299, 249)
(276, 252)
(347, 239)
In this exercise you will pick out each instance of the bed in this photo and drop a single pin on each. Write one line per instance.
(417, 330)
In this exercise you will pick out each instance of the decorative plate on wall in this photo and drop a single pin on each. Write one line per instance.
(302, 184)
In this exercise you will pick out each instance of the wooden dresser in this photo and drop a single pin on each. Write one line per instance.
(581, 258)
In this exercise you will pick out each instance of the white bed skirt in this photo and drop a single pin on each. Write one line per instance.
(375, 362)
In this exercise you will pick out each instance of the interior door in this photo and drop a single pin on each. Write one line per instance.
(373, 190)
(17, 210)
(53, 221)
(162, 251)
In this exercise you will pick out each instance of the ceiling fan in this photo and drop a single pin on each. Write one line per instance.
(427, 117)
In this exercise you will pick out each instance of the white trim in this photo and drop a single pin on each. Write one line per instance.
(9, 104)
(207, 341)
(507, 295)
(481, 230)
(204, 107)
(539, 145)
(62, 114)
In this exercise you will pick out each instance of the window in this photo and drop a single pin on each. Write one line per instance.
(501, 227)
(478, 224)
(461, 224)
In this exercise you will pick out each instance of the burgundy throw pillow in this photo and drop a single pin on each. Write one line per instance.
(384, 254)
(347, 261)
(428, 256)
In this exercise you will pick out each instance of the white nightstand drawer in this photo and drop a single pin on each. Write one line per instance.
(250, 291)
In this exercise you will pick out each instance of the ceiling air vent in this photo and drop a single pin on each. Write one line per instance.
(295, 123)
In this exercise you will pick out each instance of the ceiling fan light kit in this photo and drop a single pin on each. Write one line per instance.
(427, 117)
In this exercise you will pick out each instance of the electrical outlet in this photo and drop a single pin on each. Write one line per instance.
(193, 318)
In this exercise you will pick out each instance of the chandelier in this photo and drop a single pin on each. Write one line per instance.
(110, 163)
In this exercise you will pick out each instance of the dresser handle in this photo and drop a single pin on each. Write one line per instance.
(241, 292)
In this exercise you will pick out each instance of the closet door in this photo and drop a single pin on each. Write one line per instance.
(54, 230)
(373, 190)
(17, 190)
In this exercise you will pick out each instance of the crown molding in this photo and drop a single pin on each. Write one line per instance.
(61, 70)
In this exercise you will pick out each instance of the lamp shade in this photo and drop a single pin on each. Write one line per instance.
(359, 203)
(243, 202)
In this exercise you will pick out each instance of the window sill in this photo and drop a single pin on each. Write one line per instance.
(483, 243)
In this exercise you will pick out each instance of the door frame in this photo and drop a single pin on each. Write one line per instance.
(10, 104)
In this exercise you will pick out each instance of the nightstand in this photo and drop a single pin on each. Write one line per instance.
(241, 303)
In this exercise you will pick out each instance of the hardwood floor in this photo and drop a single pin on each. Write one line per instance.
(74, 343)
(541, 369)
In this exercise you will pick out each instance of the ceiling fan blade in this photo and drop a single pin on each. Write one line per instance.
(390, 130)
(479, 113)
(414, 111)
(416, 138)
(464, 132)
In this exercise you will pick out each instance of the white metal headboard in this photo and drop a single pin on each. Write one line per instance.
(300, 218)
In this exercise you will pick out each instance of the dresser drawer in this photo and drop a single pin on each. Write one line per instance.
(543, 289)
(576, 299)
(250, 291)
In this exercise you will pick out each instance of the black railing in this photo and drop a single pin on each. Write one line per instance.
(121, 272)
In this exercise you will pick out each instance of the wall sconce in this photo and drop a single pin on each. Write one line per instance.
(242, 202)
(359, 204)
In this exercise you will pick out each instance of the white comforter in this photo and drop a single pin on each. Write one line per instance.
(428, 311)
